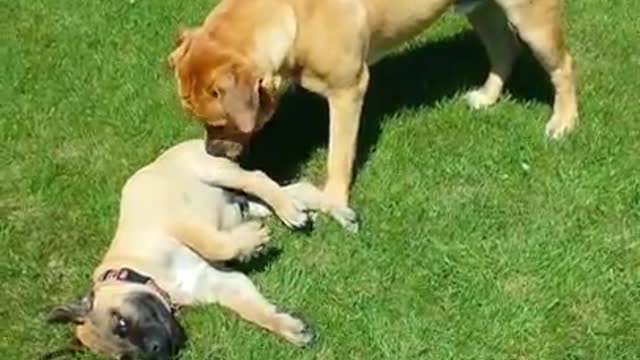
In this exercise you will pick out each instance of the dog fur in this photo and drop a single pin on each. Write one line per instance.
(177, 222)
(327, 47)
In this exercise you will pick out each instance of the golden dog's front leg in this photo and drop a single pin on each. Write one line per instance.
(345, 108)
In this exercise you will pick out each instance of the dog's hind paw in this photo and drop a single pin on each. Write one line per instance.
(478, 99)
(558, 126)
(294, 330)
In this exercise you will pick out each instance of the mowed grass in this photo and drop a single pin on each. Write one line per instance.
(479, 238)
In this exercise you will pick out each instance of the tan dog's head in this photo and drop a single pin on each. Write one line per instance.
(221, 88)
(123, 321)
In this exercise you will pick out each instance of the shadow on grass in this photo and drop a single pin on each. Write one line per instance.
(256, 264)
(420, 76)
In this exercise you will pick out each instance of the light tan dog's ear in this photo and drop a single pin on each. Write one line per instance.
(74, 312)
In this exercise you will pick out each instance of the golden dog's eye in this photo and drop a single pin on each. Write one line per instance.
(215, 93)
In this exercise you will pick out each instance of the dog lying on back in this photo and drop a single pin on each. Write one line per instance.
(177, 221)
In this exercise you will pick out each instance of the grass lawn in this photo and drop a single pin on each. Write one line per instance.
(479, 239)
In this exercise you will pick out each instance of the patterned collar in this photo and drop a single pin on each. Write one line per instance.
(129, 275)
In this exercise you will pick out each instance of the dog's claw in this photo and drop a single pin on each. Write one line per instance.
(298, 218)
(307, 337)
(305, 226)
(302, 221)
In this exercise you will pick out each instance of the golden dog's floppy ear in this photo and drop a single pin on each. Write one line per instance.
(240, 96)
(182, 35)
(74, 312)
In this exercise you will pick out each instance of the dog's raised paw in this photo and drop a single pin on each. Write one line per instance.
(296, 217)
(251, 237)
(302, 222)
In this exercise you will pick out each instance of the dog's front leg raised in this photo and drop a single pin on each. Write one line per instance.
(287, 208)
(224, 173)
(313, 199)
(235, 291)
(345, 108)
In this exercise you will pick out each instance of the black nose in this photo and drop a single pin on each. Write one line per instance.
(155, 347)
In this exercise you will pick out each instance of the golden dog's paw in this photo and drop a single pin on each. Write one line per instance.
(336, 204)
(559, 126)
(250, 237)
(293, 329)
(346, 217)
(478, 99)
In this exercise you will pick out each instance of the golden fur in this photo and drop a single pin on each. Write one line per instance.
(327, 46)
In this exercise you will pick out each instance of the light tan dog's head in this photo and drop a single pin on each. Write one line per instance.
(123, 320)
(222, 89)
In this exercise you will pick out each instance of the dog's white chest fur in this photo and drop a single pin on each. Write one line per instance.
(189, 272)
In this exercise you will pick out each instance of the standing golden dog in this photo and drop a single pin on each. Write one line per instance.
(326, 46)
(177, 223)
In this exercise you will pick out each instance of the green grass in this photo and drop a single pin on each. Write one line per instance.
(479, 239)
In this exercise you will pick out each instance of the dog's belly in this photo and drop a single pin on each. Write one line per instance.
(391, 23)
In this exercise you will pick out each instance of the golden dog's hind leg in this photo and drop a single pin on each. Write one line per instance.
(502, 47)
(235, 291)
(539, 24)
(215, 245)
(345, 108)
